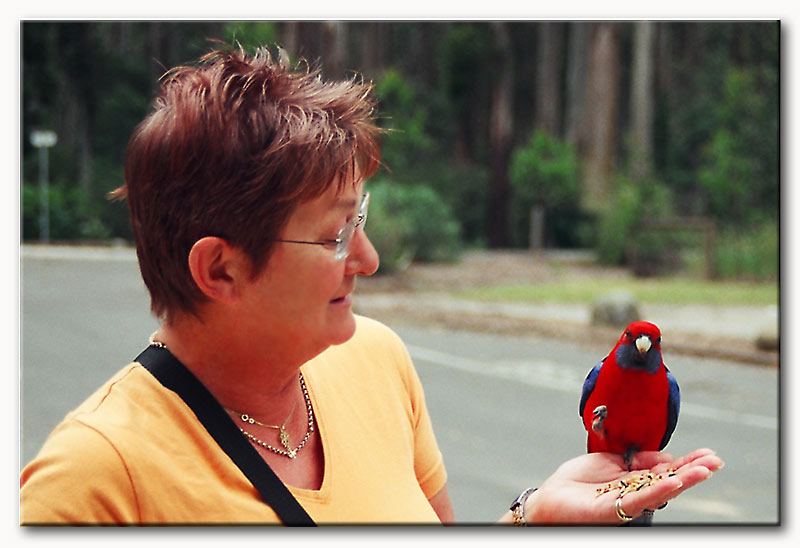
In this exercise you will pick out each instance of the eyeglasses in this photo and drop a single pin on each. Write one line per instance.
(345, 236)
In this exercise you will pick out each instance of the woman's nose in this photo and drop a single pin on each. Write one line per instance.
(363, 259)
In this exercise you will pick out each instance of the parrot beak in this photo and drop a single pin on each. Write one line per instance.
(643, 344)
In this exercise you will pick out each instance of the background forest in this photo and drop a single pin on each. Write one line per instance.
(635, 139)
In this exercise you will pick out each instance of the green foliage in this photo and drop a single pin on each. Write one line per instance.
(407, 144)
(464, 188)
(413, 150)
(739, 170)
(624, 237)
(110, 214)
(753, 254)
(67, 215)
(544, 171)
(410, 222)
(464, 55)
(390, 235)
(716, 127)
(616, 224)
(250, 34)
(119, 110)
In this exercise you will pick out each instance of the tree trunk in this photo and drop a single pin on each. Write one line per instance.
(428, 34)
(601, 114)
(77, 96)
(373, 38)
(550, 53)
(500, 139)
(641, 143)
(334, 53)
(288, 33)
(155, 51)
(577, 63)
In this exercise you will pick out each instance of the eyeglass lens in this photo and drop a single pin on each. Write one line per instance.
(346, 234)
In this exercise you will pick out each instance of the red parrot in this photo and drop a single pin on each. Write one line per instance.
(630, 400)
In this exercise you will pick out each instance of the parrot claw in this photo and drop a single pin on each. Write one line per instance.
(628, 456)
(598, 418)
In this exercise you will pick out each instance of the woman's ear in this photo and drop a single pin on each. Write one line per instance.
(217, 268)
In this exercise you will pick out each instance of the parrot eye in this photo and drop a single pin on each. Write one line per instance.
(628, 334)
(658, 340)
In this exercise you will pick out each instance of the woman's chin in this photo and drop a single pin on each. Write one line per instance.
(342, 328)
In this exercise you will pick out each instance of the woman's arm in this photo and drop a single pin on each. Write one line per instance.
(442, 505)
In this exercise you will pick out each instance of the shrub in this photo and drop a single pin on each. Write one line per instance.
(623, 234)
(406, 144)
(410, 222)
(543, 172)
(465, 189)
(752, 254)
(739, 170)
(67, 215)
(616, 224)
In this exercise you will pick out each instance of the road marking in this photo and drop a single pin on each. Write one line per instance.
(549, 374)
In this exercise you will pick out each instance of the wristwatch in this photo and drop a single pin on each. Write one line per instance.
(518, 507)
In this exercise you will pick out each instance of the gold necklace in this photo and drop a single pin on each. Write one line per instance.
(284, 435)
(153, 342)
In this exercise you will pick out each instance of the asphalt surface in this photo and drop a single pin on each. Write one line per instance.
(505, 410)
(504, 405)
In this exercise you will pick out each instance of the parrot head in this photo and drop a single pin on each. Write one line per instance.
(639, 347)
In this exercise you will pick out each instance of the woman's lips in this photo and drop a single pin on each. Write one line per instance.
(342, 301)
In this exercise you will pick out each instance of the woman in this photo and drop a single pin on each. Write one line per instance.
(246, 194)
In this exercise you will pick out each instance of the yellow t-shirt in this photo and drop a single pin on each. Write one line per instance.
(133, 452)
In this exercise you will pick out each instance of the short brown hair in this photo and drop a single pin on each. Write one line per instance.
(231, 147)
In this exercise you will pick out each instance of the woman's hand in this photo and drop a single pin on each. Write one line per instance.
(570, 494)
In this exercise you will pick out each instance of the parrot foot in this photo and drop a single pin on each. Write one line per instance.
(598, 418)
(628, 456)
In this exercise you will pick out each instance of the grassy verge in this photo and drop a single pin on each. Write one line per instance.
(649, 290)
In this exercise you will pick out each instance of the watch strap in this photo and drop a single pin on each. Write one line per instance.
(518, 507)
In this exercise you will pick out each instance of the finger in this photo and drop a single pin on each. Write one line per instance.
(709, 463)
(645, 460)
(712, 462)
(693, 456)
(692, 474)
(636, 502)
(664, 490)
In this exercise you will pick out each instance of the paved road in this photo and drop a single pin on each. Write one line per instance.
(506, 415)
(505, 409)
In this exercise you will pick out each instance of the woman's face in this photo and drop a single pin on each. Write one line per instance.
(303, 296)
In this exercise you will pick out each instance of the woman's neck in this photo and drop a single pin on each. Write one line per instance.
(261, 380)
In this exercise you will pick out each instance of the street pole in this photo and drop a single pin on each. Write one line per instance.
(43, 140)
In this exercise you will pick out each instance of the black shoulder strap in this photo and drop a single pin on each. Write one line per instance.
(175, 376)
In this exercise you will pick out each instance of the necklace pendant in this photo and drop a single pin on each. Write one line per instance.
(292, 454)
(285, 439)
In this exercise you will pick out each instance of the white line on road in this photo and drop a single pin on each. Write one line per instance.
(549, 374)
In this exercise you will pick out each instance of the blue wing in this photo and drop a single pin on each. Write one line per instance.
(588, 386)
(673, 409)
